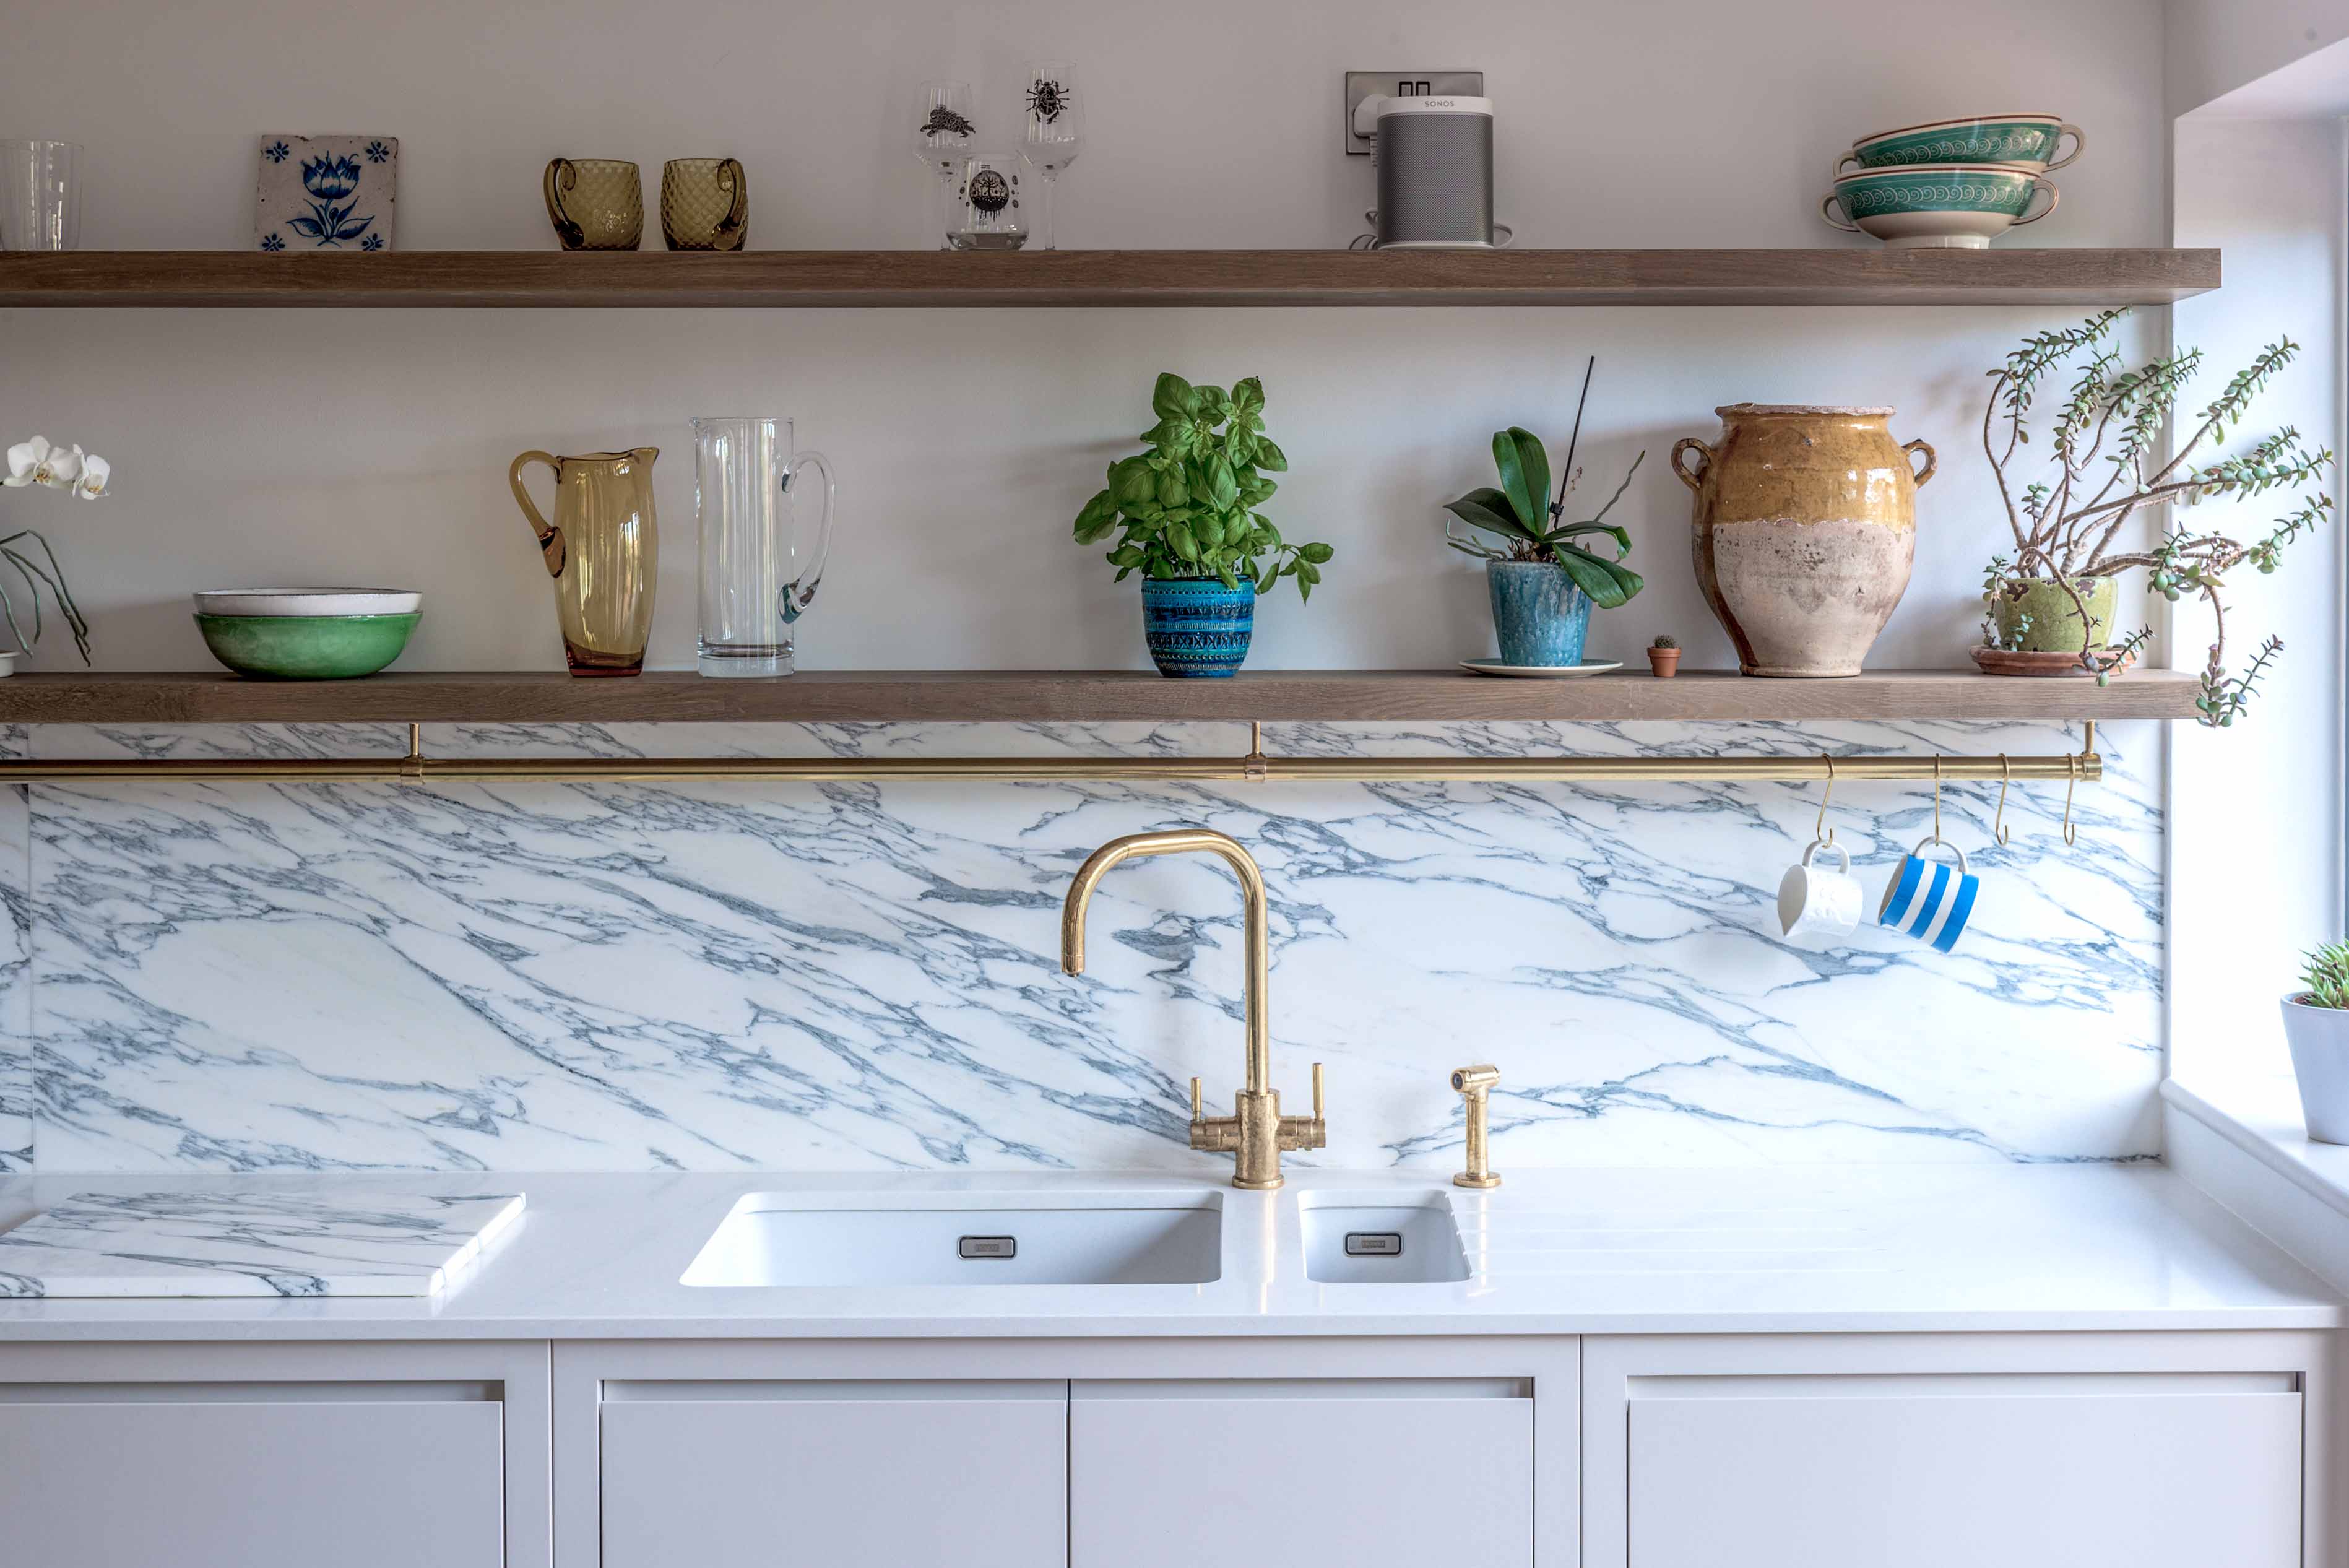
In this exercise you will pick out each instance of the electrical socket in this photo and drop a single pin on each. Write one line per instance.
(1361, 84)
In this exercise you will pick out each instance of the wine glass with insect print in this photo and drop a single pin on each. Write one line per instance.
(944, 132)
(1054, 133)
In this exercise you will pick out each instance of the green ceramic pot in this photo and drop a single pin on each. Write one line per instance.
(307, 647)
(2031, 139)
(2054, 620)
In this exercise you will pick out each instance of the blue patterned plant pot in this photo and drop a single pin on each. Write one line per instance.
(1196, 626)
(1538, 614)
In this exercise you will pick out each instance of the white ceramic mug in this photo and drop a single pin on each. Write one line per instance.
(1819, 900)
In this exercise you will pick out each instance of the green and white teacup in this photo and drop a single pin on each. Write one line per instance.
(1960, 206)
(2029, 140)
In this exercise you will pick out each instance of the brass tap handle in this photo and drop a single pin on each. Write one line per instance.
(1196, 1106)
(1316, 1092)
(1476, 1086)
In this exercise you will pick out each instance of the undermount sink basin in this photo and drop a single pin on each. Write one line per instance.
(783, 1239)
(1351, 1241)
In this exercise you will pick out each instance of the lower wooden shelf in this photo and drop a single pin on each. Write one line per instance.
(1006, 696)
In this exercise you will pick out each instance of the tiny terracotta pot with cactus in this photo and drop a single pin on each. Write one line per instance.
(1664, 658)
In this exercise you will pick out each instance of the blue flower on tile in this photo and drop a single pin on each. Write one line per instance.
(278, 152)
(273, 242)
(372, 242)
(376, 152)
(330, 178)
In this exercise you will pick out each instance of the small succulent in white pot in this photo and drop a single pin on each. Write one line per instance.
(2317, 1024)
(84, 474)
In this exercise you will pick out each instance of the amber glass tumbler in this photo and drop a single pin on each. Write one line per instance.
(705, 205)
(595, 204)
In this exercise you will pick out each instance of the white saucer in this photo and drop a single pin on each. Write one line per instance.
(1538, 671)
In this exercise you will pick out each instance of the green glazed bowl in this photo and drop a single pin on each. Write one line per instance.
(2030, 139)
(1961, 205)
(307, 647)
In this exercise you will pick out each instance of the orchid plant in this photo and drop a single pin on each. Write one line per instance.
(85, 474)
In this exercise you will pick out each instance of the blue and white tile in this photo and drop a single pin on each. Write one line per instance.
(541, 976)
(252, 1242)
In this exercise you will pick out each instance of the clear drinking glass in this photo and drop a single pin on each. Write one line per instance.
(1054, 135)
(991, 218)
(944, 129)
(43, 195)
(755, 582)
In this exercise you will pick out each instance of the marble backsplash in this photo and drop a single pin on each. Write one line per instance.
(614, 976)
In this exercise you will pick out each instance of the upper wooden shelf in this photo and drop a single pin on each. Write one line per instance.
(1079, 696)
(937, 278)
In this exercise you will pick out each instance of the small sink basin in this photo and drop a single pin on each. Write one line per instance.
(1361, 1241)
(785, 1239)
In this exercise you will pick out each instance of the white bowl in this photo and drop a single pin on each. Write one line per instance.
(307, 601)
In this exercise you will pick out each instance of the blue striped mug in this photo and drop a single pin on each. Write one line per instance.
(1929, 899)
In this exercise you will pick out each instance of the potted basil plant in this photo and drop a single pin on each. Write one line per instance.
(1543, 582)
(1188, 511)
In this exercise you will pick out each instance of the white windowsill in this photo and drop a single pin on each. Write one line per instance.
(2260, 1113)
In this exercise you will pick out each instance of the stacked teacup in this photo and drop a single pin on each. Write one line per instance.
(1950, 183)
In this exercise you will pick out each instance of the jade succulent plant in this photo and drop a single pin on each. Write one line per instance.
(2106, 452)
(1188, 505)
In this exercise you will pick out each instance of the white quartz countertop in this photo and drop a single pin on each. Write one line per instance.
(1761, 1250)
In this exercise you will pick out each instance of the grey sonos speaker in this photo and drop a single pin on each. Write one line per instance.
(1435, 171)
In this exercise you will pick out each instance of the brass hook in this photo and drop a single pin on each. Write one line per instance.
(2071, 828)
(1821, 831)
(2000, 834)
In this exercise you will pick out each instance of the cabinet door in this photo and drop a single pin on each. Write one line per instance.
(825, 1475)
(1961, 1471)
(1370, 1473)
(140, 1476)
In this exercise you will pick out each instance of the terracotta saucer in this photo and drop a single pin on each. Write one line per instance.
(2007, 661)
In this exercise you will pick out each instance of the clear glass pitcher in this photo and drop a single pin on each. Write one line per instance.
(755, 582)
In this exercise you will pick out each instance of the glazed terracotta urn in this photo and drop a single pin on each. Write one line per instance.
(1806, 530)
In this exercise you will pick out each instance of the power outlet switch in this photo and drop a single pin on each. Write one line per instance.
(1361, 84)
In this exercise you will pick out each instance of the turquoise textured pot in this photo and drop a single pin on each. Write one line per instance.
(2028, 139)
(1539, 615)
(307, 647)
(1196, 626)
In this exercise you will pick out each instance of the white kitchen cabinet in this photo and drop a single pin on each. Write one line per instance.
(2024, 1450)
(210, 1476)
(275, 1456)
(1367, 1472)
(833, 1474)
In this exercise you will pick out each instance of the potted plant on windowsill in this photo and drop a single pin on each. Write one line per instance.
(2316, 1025)
(1543, 584)
(1188, 511)
(2052, 604)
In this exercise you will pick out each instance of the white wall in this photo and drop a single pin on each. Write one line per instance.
(2215, 47)
(2256, 859)
(372, 446)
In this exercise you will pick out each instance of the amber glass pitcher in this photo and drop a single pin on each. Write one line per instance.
(602, 551)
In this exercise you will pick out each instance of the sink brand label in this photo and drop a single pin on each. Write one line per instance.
(992, 1246)
(1374, 1243)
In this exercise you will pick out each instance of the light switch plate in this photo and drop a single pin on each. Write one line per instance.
(1361, 84)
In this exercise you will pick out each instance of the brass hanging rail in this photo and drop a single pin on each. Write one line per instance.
(1256, 766)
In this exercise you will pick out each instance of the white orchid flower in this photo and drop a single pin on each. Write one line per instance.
(95, 471)
(36, 461)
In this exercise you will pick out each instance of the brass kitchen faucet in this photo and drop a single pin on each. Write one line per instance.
(1257, 1133)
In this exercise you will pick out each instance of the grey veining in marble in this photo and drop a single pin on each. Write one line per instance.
(541, 976)
(15, 968)
(249, 1244)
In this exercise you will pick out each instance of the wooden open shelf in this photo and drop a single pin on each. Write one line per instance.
(1079, 696)
(941, 279)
